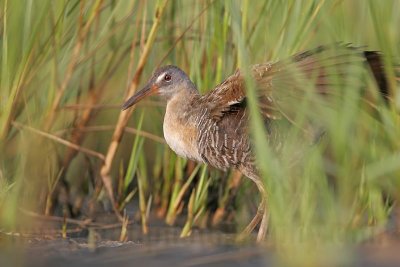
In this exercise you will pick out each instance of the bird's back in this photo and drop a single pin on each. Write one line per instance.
(222, 115)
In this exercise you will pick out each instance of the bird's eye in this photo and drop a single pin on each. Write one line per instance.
(167, 77)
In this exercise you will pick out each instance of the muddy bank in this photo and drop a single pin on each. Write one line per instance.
(98, 246)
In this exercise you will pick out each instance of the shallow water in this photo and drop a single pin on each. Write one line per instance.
(60, 253)
(163, 247)
(77, 252)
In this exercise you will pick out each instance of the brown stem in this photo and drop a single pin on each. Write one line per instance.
(61, 141)
(124, 116)
(83, 31)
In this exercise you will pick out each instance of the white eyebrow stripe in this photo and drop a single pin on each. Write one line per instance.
(161, 76)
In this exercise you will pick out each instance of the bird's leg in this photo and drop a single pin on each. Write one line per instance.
(261, 216)
(262, 231)
(255, 221)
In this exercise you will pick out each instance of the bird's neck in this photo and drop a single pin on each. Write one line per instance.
(182, 105)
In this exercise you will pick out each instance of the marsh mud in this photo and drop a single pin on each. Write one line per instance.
(97, 245)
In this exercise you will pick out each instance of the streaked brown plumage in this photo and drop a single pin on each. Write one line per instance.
(213, 128)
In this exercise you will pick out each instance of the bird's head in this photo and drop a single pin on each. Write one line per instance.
(166, 81)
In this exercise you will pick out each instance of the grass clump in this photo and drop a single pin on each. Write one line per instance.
(67, 65)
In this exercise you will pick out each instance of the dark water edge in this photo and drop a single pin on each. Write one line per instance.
(162, 247)
(98, 247)
(67, 253)
(194, 251)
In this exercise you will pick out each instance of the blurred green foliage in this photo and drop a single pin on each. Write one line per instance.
(65, 67)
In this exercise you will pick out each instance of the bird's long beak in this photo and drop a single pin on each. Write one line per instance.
(149, 89)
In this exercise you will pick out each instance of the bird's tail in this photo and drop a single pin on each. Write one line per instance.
(374, 60)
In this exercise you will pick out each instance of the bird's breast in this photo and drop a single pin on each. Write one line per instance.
(181, 136)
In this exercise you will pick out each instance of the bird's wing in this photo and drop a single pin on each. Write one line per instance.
(282, 85)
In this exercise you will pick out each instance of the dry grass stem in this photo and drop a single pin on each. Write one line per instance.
(61, 141)
(124, 116)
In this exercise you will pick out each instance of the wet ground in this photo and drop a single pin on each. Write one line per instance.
(77, 252)
(163, 247)
(67, 253)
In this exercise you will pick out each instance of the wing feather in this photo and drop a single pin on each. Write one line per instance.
(284, 83)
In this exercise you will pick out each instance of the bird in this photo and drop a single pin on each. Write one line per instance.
(213, 128)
